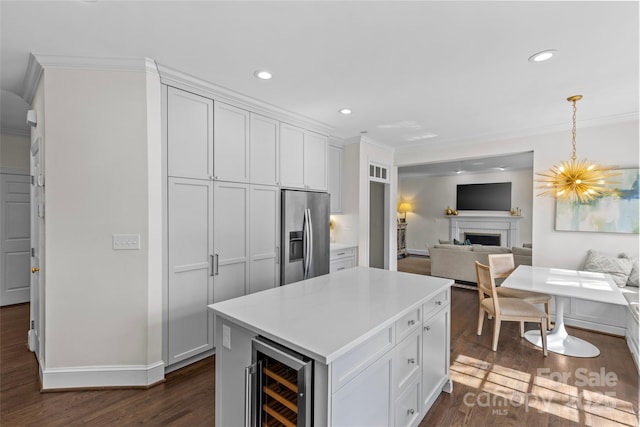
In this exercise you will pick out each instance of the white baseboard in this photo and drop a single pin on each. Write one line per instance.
(600, 327)
(423, 252)
(102, 376)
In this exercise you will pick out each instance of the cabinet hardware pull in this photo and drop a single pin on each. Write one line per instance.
(211, 266)
(410, 411)
(411, 360)
(340, 253)
(438, 302)
(216, 264)
(341, 268)
(411, 322)
(277, 254)
(427, 328)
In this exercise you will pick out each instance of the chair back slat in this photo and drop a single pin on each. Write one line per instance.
(486, 285)
(501, 265)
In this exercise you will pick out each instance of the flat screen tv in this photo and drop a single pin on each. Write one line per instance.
(484, 197)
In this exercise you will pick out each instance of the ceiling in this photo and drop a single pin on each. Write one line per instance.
(408, 70)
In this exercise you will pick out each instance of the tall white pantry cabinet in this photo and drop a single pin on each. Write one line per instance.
(224, 166)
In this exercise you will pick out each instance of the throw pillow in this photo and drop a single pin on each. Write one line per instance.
(633, 276)
(618, 268)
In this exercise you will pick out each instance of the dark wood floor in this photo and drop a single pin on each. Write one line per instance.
(488, 387)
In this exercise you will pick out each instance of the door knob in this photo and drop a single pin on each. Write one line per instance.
(34, 269)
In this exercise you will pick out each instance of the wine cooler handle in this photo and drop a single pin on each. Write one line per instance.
(249, 371)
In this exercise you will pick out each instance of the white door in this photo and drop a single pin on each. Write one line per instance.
(190, 290)
(15, 239)
(315, 161)
(37, 257)
(291, 156)
(231, 143)
(264, 149)
(231, 240)
(265, 238)
(189, 135)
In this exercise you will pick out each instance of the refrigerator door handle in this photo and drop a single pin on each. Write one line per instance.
(305, 238)
(310, 251)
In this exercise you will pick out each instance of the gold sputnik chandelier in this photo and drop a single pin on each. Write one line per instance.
(576, 180)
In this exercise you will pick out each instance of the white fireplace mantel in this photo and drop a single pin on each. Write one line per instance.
(507, 226)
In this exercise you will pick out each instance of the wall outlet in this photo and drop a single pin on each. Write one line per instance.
(126, 242)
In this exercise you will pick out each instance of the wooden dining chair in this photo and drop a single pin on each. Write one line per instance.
(501, 266)
(504, 309)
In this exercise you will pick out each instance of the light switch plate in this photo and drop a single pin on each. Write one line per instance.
(126, 242)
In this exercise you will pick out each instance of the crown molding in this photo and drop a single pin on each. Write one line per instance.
(184, 81)
(366, 140)
(31, 79)
(38, 62)
(523, 133)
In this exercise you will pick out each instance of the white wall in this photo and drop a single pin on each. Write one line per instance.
(353, 225)
(431, 195)
(102, 166)
(14, 153)
(613, 144)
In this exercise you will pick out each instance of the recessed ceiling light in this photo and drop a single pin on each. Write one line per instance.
(459, 171)
(346, 111)
(542, 56)
(263, 74)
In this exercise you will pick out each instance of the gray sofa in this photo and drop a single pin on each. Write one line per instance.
(457, 262)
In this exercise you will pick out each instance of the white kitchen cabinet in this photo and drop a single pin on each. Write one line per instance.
(264, 238)
(435, 362)
(341, 257)
(315, 161)
(291, 156)
(231, 143)
(231, 240)
(334, 177)
(190, 281)
(365, 400)
(264, 149)
(303, 158)
(189, 135)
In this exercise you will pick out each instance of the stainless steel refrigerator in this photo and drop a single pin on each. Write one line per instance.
(305, 235)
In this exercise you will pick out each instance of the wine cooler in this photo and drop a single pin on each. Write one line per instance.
(278, 387)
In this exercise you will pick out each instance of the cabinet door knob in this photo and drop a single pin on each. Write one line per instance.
(438, 302)
(411, 322)
(427, 328)
(411, 361)
(34, 269)
(410, 411)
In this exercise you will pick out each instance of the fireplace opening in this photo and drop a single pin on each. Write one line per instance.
(483, 239)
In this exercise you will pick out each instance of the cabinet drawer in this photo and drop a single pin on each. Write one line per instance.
(435, 303)
(342, 253)
(407, 406)
(353, 362)
(408, 322)
(407, 360)
(341, 264)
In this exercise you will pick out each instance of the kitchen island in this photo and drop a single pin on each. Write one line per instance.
(378, 339)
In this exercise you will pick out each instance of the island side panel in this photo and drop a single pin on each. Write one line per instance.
(232, 357)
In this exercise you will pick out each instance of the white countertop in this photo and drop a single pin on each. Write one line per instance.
(586, 285)
(326, 316)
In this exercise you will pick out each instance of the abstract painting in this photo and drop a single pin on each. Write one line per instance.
(614, 213)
